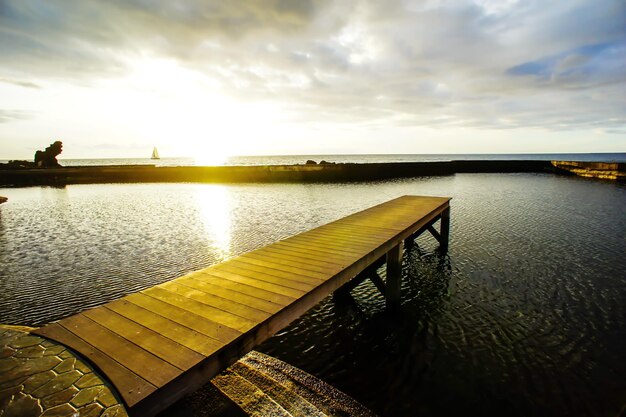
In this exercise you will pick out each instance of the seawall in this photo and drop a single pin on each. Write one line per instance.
(264, 173)
(601, 170)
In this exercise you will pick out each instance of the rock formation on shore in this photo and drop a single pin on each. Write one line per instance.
(43, 159)
(48, 157)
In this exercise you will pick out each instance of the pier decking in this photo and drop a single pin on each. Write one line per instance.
(157, 345)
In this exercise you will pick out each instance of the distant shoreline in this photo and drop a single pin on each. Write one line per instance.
(332, 172)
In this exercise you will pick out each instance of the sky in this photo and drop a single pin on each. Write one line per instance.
(276, 77)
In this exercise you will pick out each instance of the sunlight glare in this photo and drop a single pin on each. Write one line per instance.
(187, 113)
(214, 205)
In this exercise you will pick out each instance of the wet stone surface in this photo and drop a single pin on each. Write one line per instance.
(39, 377)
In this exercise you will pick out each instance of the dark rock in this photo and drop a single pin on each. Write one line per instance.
(18, 164)
(48, 157)
(311, 162)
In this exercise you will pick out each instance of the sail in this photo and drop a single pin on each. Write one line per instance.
(155, 153)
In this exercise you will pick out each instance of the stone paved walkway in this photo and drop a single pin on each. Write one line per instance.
(39, 377)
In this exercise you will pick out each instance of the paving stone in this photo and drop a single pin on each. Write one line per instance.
(53, 350)
(82, 366)
(115, 411)
(6, 364)
(65, 366)
(31, 367)
(6, 351)
(59, 398)
(91, 410)
(22, 406)
(37, 380)
(88, 380)
(87, 396)
(25, 341)
(65, 354)
(30, 352)
(49, 343)
(106, 398)
(59, 383)
(39, 377)
(64, 410)
(6, 396)
(14, 383)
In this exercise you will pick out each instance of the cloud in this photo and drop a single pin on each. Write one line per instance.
(483, 63)
(7, 116)
(20, 83)
(582, 67)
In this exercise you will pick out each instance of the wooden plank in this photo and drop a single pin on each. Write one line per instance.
(262, 274)
(278, 264)
(278, 271)
(321, 253)
(237, 308)
(130, 386)
(184, 317)
(151, 341)
(146, 365)
(389, 218)
(298, 262)
(209, 288)
(238, 277)
(347, 224)
(225, 318)
(301, 256)
(337, 238)
(346, 244)
(338, 242)
(184, 335)
(435, 233)
(394, 276)
(358, 224)
(378, 282)
(352, 234)
(330, 237)
(248, 290)
(445, 229)
(333, 248)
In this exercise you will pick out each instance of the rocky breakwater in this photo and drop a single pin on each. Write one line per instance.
(310, 172)
(602, 170)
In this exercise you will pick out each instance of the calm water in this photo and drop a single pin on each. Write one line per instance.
(525, 316)
(301, 159)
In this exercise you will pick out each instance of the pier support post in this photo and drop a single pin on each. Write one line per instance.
(445, 230)
(394, 276)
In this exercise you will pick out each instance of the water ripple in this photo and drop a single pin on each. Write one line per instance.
(525, 316)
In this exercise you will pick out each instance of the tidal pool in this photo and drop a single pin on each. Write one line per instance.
(524, 316)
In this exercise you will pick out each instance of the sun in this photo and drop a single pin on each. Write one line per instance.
(186, 113)
(211, 158)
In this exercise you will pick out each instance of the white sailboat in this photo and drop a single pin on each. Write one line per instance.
(155, 154)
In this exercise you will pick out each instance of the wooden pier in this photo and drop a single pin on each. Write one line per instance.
(164, 342)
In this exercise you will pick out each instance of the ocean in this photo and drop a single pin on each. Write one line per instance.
(524, 316)
(360, 159)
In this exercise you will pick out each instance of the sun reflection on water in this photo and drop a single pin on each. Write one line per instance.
(214, 206)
